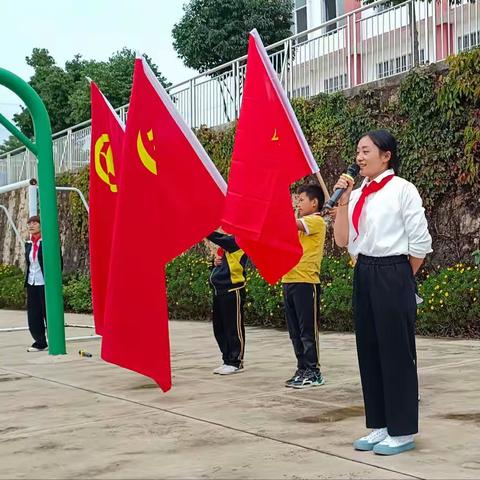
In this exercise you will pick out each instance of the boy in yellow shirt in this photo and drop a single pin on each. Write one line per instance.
(301, 289)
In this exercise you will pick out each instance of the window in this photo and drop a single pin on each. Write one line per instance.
(333, 9)
(300, 19)
(468, 41)
(335, 83)
(303, 92)
(397, 65)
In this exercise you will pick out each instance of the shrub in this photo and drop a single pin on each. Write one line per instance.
(77, 294)
(451, 302)
(12, 291)
(264, 304)
(451, 295)
(188, 290)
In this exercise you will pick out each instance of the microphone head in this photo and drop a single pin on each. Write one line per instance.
(353, 170)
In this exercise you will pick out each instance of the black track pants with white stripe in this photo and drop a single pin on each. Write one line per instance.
(229, 325)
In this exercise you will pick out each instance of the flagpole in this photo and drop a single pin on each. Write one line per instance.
(323, 185)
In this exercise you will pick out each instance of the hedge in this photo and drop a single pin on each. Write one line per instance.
(451, 296)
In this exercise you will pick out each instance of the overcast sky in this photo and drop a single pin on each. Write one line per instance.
(93, 28)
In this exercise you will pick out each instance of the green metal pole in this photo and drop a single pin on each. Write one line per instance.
(48, 207)
(17, 133)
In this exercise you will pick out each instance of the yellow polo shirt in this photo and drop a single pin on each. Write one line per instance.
(313, 241)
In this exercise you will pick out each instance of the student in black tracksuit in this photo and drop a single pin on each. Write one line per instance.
(228, 282)
(35, 285)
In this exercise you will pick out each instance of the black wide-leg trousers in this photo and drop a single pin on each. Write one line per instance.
(384, 313)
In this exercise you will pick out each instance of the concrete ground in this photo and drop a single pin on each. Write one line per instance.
(76, 417)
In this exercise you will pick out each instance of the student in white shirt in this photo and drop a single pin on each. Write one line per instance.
(383, 225)
(35, 284)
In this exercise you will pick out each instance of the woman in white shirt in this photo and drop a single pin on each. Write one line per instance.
(383, 225)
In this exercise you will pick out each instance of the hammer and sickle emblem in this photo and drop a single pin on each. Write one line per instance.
(100, 153)
(149, 163)
(275, 137)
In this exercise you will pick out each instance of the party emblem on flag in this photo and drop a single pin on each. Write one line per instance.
(145, 157)
(275, 136)
(103, 150)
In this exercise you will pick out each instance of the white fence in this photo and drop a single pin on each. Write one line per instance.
(359, 47)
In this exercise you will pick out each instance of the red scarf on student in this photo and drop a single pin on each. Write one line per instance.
(367, 190)
(35, 240)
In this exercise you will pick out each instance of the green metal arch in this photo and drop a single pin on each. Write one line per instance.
(42, 148)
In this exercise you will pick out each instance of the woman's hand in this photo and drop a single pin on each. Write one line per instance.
(347, 183)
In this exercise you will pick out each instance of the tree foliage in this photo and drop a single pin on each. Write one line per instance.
(65, 91)
(213, 32)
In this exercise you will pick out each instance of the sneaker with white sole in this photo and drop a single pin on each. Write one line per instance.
(309, 379)
(394, 445)
(229, 370)
(295, 377)
(367, 443)
(219, 369)
(35, 349)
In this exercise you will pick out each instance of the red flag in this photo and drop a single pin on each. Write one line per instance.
(270, 153)
(106, 147)
(170, 197)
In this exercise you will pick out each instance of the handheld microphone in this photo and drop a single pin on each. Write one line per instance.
(352, 172)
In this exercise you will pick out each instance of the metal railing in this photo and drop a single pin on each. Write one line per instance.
(368, 44)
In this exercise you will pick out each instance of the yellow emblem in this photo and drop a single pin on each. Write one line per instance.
(100, 153)
(275, 136)
(145, 157)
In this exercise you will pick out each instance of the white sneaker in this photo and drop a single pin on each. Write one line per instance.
(394, 445)
(399, 441)
(35, 349)
(369, 441)
(229, 369)
(219, 369)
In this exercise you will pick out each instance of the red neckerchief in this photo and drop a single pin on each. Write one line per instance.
(372, 187)
(35, 240)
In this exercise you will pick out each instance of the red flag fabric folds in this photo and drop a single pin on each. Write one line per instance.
(270, 153)
(170, 197)
(107, 135)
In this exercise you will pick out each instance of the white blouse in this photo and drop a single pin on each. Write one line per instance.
(392, 221)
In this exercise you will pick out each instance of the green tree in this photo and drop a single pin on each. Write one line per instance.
(53, 85)
(213, 32)
(66, 93)
(114, 78)
(11, 143)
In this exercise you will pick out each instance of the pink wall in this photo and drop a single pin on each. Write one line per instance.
(351, 5)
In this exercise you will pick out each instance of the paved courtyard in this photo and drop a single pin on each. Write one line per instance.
(77, 417)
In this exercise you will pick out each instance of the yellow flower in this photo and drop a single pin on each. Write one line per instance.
(431, 308)
(441, 301)
(446, 294)
(437, 287)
